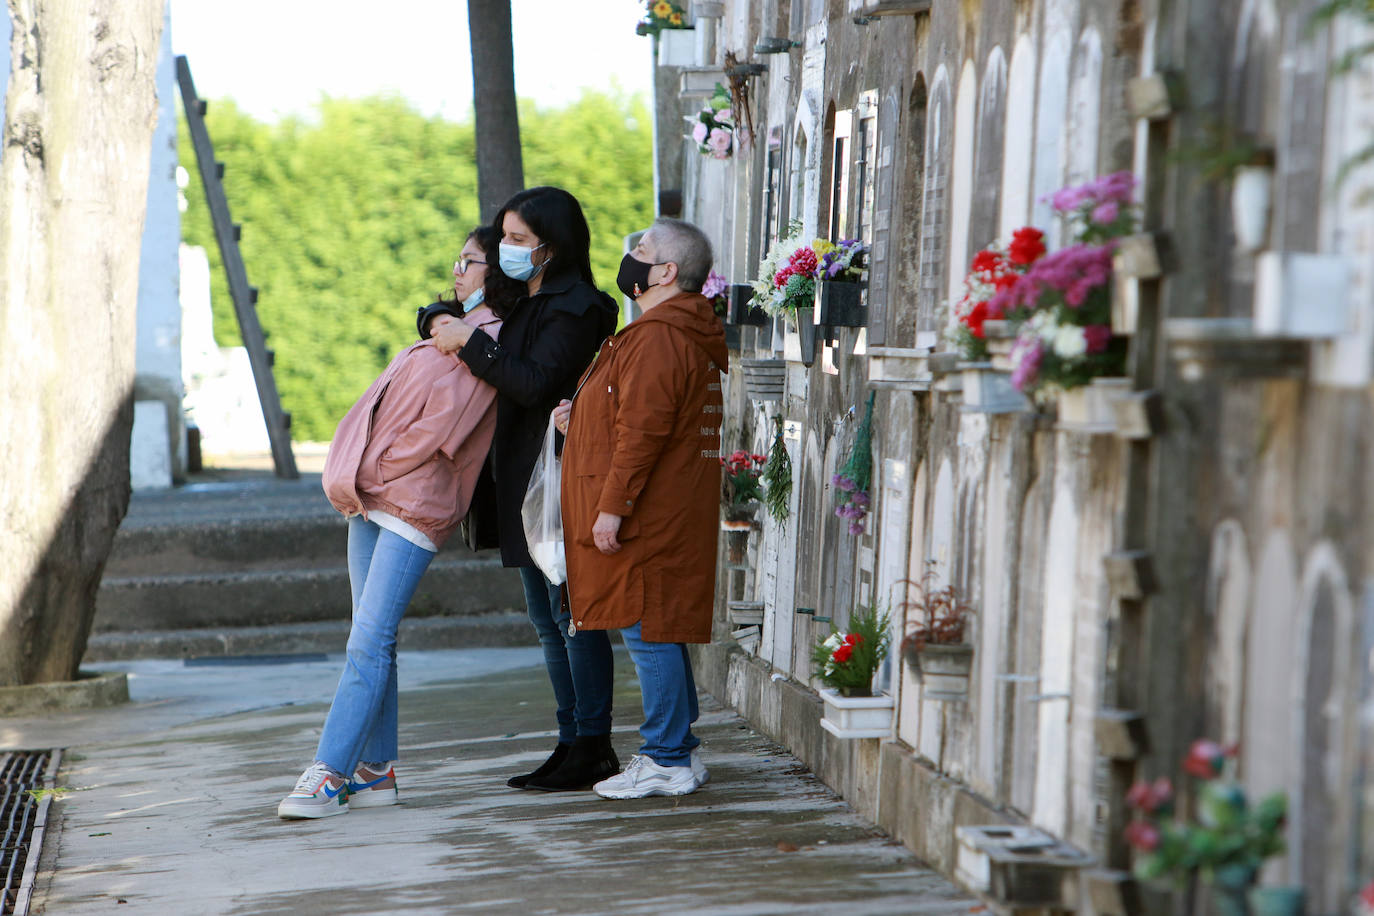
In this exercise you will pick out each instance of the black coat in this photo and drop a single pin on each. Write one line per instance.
(547, 341)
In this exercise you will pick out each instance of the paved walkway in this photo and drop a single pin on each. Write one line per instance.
(173, 809)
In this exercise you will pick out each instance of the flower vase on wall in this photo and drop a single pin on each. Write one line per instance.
(806, 336)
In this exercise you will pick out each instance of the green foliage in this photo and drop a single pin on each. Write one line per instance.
(777, 476)
(353, 219)
(848, 661)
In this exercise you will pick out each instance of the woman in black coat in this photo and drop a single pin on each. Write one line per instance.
(554, 320)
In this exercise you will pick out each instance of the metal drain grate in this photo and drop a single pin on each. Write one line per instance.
(23, 816)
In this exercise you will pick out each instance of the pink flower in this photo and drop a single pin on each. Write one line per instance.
(725, 114)
(1205, 759)
(1026, 355)
(1106, 213)
(713, 287)
(699, 131)
(1149, 797)
(719, 140)
(1142, 836)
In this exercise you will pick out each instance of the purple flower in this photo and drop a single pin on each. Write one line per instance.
(714, 285)
(1105, 213)
(1066, 200)
(844, 483)
(1026, 355)
(860, 499)
(856, 528)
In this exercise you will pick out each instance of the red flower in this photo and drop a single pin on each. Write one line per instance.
(986, 261)
(975, 318)
(1142, 836)
(853, 639)
(759, 459)
(1367, 895)
(1004, 281)
(1027, 245)
(843, 653)
(803, 261)
(1205, 759)
(1149, 797)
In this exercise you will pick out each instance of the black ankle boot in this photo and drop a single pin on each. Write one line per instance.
(591, 760)
(560, 753)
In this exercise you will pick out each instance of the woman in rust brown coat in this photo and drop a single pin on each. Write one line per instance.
(641, 495)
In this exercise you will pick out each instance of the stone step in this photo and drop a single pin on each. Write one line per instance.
(458, 583)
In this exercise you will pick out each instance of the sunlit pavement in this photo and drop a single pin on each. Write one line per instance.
(173, 808)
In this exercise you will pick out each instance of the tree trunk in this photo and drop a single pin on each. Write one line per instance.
(500, 172)
(79, 118)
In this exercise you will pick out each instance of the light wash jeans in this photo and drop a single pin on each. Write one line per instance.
(670, 699)
(581, 666)
(384, 570)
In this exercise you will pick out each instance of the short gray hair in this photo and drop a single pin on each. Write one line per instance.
(686, 246)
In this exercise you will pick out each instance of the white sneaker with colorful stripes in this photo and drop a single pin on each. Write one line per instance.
(373, 788)
(318, 793)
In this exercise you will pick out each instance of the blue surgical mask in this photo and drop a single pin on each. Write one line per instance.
(518, 263)
(471, 302)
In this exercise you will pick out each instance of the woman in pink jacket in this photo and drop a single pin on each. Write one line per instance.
(401, 468)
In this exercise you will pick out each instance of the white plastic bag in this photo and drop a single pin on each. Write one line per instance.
(542, 513)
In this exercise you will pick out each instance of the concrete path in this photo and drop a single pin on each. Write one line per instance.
(173, 808)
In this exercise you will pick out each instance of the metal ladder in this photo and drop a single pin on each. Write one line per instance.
(244, 296)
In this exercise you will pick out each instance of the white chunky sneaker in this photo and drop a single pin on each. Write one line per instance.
(699, 771)
(373, 789)
(318, 793)
(643, 778)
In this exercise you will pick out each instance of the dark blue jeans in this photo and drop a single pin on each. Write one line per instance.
(579, 666)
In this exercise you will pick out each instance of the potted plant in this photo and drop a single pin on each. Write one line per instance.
(787, 286)
(846, 662)
(839, 288)
(1062, 304)
(713, 127)
(1224, 845)
(660, 15)
(934, 647)
(740, 495)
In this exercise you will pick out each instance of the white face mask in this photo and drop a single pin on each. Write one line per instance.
(471, 302)
(518, 263)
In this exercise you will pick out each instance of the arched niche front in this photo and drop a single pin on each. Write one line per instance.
(1085, 108)
(1325, 719)
(1051, 109)
(1228, 606)
(1268, 733)
(961, 184)
(1018, 143)
(987, 181)
(935, 203)
(910, 231)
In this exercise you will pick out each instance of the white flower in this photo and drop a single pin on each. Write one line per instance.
(1070, 342)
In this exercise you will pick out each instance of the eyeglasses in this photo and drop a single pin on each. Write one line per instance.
(461, 266)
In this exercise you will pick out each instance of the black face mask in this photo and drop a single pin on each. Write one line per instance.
(633, 278)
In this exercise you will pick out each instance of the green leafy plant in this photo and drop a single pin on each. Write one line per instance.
(1226, 843)
(777, 476)
(848, 660)
(740, 490)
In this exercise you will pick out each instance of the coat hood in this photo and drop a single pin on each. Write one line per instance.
(692, 314)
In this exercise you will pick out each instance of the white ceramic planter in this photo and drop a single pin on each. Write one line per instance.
(856, 717)
(677, 48)
(1088, 408)
(1302, 295)
(987, 390)
(1251, 194)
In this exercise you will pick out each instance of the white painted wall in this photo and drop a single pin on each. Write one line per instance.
(1085, 109)
(1019, 141)
(1050, 114)
(961, 184)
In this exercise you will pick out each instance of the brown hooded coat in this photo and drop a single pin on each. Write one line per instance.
(644, 443)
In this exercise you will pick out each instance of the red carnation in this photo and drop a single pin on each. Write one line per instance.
(975, 318)
(1027, 245)
(843, 653)
(1097, 336)
(985, 261)
(803, 261)
(1142, 836)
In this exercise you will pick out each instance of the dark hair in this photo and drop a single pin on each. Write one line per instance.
(489, 240)
(556, 218)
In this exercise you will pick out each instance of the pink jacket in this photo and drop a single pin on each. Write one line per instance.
(414, 443)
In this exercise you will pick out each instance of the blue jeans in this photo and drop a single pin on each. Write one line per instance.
(670, 699)
(383, 570)
(580, 666)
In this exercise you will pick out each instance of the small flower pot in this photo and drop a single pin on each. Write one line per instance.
(763, 378)
(740, 312)
(986, 390)
(840, 304)
(944, 671)
(736, 540)
(856, 717)
(806, 336)
(1252, 192)
(1275, 901)
(1088, 408)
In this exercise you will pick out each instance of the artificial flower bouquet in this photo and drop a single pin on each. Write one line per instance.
(740, 489)
(842, 260)
(715, 290)
(1061, 303)
(1230, 838)
(787, 275)
(713, 128)
(660, 15)
(994, 270)
(847, 661)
